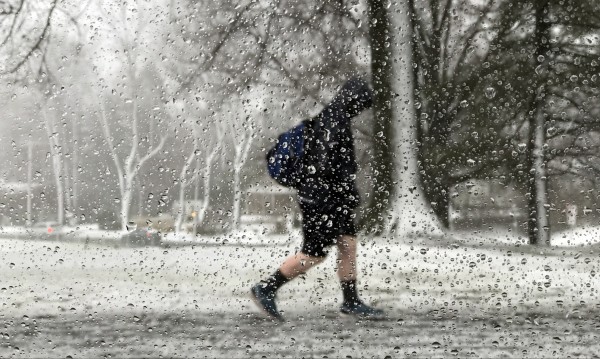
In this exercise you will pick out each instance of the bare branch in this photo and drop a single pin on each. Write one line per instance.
(113, 150)
(39, 41)
(16, 14)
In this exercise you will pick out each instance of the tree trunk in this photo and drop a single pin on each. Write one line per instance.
(67, 186)
(434, 181)
(196, 199)
(181, 207)
(56, 168)
(126, 194)
(29, 182)
(381, 69)
(538, 225)
(74, 172)
(237, 198)
(206, 192)
(182, 186)
(241, 154)
(411, 212)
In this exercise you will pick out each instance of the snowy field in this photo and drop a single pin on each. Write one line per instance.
(466, 294)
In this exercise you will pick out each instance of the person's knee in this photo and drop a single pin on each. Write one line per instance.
(346, 244)
(313, 260)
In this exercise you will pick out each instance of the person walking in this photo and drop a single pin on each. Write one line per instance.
(327, 196)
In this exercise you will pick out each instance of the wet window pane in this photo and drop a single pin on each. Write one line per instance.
(250, 178)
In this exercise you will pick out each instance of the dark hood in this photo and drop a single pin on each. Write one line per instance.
(354, 97)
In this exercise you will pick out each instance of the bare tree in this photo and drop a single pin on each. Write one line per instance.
(241, 140)
(205, 173)
(128, 167)
(212, 147)
(183, 181)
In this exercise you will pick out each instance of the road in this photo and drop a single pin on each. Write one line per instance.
(442, 300)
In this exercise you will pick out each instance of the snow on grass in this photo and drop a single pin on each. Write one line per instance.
(467, 272)
(579, 236)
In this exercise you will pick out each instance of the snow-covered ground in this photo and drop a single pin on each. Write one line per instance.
(490, 276)
(460, 262)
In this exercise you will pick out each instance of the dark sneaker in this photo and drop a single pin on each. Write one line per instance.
(360, 309)
(265, 300)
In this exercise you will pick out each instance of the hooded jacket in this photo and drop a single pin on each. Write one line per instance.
(329, 164)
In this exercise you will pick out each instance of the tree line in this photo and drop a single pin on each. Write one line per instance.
(502, 90)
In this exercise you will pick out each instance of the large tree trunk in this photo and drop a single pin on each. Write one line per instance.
(410, 211)
(538, 225)
(381, 69)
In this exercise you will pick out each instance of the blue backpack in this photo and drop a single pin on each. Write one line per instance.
(284, 160)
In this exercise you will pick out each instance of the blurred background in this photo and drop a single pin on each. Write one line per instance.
(158, 114)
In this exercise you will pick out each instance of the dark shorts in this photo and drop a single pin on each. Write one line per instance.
(322, 226)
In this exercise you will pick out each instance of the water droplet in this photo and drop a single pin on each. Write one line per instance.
(131, 226)
(539, 70)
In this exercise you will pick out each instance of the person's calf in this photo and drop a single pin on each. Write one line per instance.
(298, 264)
(346, 265)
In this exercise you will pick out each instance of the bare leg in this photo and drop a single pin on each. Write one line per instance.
(346, 269)
(297, 264)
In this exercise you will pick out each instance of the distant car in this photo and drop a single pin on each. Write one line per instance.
(50, 227)
(141, 237)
